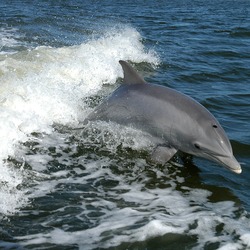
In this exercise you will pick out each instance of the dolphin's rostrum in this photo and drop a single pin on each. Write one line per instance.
(176, 121)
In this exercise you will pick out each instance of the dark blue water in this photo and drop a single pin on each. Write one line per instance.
(96, 188)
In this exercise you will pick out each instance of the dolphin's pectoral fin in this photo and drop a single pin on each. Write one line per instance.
(163, 154)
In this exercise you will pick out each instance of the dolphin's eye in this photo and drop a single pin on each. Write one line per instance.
(197, 146)
(215, 126)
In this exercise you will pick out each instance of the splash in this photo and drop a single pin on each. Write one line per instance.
(45, 85)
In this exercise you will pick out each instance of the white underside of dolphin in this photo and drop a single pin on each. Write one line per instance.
(176, 121)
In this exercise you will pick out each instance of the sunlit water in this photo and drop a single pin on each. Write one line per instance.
(96, 187)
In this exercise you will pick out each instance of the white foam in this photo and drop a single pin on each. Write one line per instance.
(152, 213)
(155, 228)
(11, 197)
(230, 246)
(43, 86)
(245, 238)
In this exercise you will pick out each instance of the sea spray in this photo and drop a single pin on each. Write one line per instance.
(43, 86)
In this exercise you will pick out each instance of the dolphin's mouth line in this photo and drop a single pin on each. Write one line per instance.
(214, 154)
(214, 158)
(235, 170)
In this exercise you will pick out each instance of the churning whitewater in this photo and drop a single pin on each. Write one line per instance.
(44, 86)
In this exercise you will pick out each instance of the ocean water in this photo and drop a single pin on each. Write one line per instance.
(96, 188)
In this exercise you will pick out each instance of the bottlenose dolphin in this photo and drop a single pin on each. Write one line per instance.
(176, 121)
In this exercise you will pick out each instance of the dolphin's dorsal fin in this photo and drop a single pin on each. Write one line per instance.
(130, 75)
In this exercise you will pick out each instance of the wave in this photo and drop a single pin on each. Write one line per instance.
(46, 85)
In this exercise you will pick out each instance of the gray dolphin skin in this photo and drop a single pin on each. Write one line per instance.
(174, 120)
